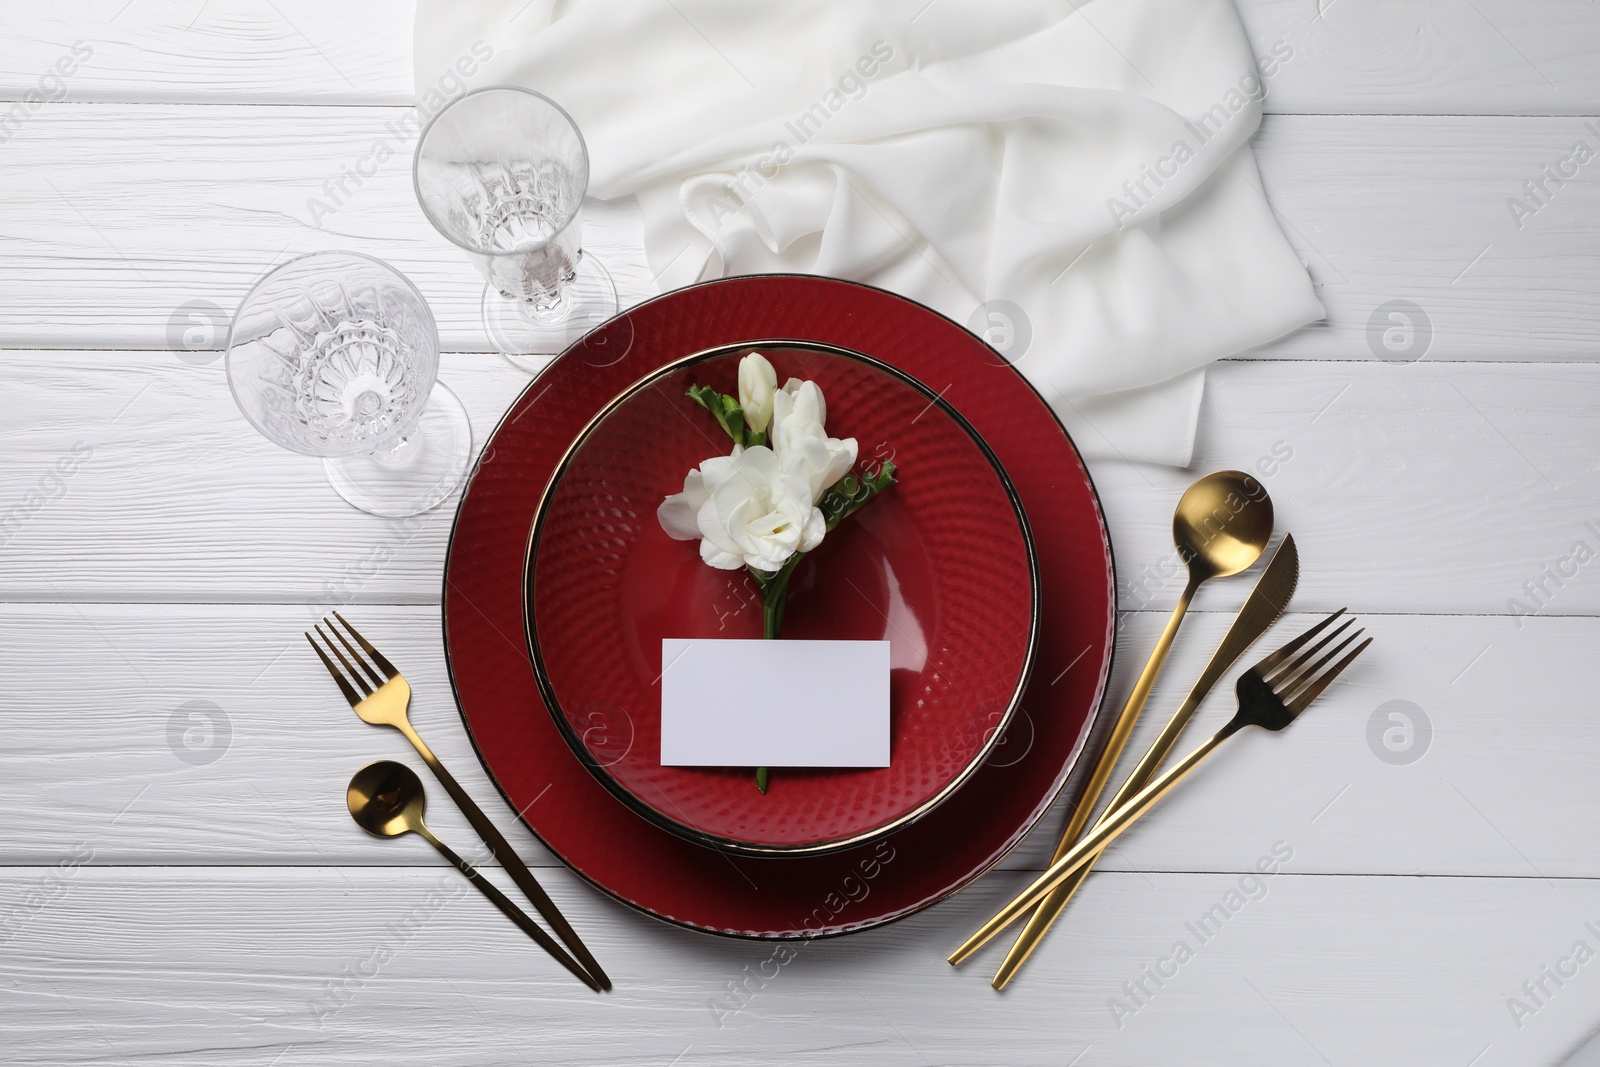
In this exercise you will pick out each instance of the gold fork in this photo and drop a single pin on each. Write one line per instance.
(1271, 694)
(384, 703)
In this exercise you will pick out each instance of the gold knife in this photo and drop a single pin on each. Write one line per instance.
(1265, 604)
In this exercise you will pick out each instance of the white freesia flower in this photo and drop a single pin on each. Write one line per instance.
(679, 513)
(749, 509)
(757, 382)
(799, 435)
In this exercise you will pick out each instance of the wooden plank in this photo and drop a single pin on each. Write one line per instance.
(1504, 455)
(251, 967)
(104, 202)
(168, 434)
(1431, 57)
(1415, 488)
(1420, 210)
(1490, 57)
(110, 199)
(118, 755)
(213, 51)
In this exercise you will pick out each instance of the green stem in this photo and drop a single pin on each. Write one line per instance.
(774, 596)
(774, 590)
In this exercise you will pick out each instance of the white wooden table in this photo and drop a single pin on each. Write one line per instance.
(156, 552)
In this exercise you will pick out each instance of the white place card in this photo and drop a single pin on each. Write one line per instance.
(774, 703)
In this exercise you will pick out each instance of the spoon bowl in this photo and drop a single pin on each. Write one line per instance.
(386, 799)
(1222, 525)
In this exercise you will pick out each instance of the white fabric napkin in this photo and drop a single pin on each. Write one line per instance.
(1072, 179)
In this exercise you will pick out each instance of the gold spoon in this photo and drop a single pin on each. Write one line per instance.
(1222, 525)
(386, 800)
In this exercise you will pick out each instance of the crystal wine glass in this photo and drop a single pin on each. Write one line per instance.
(502, 172)
(335, 354)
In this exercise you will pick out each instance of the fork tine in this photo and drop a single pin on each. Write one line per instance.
(1289, 687)
(349, 693)
(1294, 666)
(365, 666)
(377, 657)
(1294, 646)
(354, 675)
(1312, 691)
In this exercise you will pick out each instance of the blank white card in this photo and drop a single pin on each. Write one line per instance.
(774, 703)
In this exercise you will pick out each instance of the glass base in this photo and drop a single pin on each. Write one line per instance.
(528, 337)
(420, 474)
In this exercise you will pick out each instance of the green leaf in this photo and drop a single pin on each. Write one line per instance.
(761, 779)
(705, 396)
(724, 408)
(732, 419)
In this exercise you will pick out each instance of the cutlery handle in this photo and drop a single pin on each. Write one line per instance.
(512, 912)
(1051, 907)
(1110, 827)
(1265, 604)
(507, 856)
(1120, 732)
(1126, 720)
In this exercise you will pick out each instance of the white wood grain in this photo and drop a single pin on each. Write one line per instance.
(214, 51)
(1488, 57)
(118, 215)
(1418, 488)
(1417, 209)
(233, 968)
(1430, 57)
(180, 558)
(93, 758)
(163, 205)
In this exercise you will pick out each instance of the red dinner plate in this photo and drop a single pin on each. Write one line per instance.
(940, 566)
(659, 872)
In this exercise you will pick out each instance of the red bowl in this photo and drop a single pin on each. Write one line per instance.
(941, 566)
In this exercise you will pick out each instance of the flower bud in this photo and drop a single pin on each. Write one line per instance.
(757, 382)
